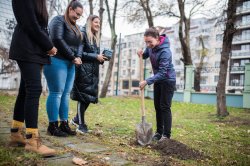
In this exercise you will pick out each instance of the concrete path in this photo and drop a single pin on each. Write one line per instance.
(69, 147)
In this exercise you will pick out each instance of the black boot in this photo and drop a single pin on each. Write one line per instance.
(54, 130)
(64, 126)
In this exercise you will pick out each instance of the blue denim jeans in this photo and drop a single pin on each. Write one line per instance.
(60, 78)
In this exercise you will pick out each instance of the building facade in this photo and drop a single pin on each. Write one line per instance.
(240, 47)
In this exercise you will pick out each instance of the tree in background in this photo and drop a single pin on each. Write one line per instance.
(111, 21)
(101, 10)
(184, 10)
(226, 50)
(7, 64)
(203, 54)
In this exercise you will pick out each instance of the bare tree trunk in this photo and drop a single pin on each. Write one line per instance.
(226, 49)
(113, 44)
(147, 10)
(185, 45)
(91, 7)
(197, 76)
(101, 10)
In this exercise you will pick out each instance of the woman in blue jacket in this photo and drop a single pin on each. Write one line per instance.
(66, 36)
(164, 80)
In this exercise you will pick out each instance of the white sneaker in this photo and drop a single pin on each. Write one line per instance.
(72, 122)
(163, 138)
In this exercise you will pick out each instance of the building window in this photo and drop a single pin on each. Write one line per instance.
(124, 63)
(245, 47)
(246, 35)
(216, 78)
(218, 50)
(133, 72)
(217, 64)
(134, 61)
(125, 84)
(243, 62)
(203, 80)
(219, 37)
(124, 72)
(245, 20)
(135, 83)
(246, 5)
(135, 92)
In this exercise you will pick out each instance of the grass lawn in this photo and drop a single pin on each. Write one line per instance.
(223, 141)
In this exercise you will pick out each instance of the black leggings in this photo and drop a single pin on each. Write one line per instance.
(81, 109)
(27, 101)
(163, 94)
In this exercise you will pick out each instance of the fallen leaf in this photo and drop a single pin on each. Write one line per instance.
(79, 161)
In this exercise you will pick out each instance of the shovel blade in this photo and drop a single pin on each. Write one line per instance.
(144, 133)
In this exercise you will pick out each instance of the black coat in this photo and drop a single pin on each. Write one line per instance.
(67, 42)
(30, 40)
(85, 87)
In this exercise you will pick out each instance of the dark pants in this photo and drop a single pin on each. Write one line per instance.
(163, 94)
(27, 102)
(81, 109)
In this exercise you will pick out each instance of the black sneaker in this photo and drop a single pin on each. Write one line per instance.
(64, 126)
(54, 130)
(74, 122)
(82, 129)
(156, 137)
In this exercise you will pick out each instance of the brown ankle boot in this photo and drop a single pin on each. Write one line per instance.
(34, 144)
(17, 137)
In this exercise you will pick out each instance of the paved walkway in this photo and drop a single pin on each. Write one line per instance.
(69, 147)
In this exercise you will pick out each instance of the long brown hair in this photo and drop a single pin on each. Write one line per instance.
(42, 12)
(73, 4)
(92, 36)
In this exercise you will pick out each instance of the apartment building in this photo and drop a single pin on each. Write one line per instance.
(126, 69)
(129, 73)
(201, 29)
(240, 47)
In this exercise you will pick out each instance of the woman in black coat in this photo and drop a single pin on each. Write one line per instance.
(85, 89)
(31, 48)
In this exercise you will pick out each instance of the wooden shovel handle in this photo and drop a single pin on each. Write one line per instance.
(142, 91)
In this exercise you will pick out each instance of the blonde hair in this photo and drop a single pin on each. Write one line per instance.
(92, 37)
(73, 4)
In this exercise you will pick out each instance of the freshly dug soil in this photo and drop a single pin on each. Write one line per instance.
(170, 147)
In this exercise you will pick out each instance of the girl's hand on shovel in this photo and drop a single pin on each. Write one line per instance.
(142, 84)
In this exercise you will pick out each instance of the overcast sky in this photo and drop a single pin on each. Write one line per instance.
(125, 28)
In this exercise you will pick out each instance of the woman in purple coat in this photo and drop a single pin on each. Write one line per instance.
(164, 79)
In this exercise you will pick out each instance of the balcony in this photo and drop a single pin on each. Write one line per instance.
(239, 40)
(241, 54)
(237, 69)
(241, 25)
(241, 10)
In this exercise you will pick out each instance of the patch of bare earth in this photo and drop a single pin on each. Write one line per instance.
(170, 148)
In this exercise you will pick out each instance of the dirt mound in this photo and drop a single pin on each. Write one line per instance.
(170, 147)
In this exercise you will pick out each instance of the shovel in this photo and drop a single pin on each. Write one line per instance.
(144, 132)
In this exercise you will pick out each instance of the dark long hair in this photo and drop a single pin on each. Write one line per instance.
(153, 32)
(73, 4)
(42, 12)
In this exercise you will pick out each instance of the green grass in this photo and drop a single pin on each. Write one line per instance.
(226, 141)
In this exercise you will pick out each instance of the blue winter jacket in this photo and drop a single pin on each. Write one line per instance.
(161, 60)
